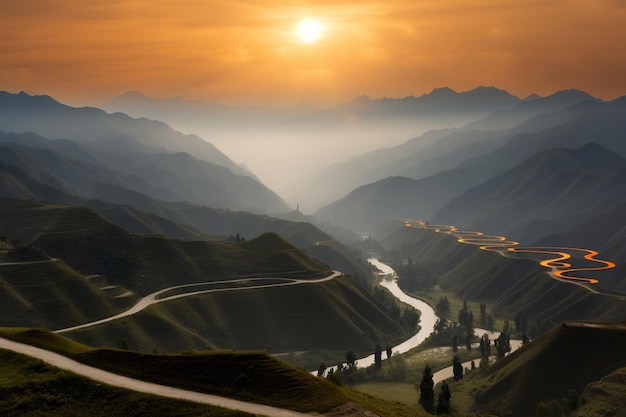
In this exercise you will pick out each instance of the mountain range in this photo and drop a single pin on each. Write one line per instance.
(98, 210)
(88, 148)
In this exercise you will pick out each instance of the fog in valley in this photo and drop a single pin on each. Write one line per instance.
(288, 148)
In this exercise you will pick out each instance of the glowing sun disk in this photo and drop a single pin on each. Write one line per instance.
(309, 30)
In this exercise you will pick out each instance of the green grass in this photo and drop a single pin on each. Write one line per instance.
(250, 376)
(401, 392)
(51, 294)
(605, 397)
(345, 317)
(567, 357)
(31, 387)
(508, 285)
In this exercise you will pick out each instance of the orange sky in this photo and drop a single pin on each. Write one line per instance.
(246, 52)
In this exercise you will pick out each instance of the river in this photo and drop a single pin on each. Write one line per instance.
(428, 319)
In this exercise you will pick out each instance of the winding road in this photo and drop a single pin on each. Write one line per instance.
(110, 378)
(142, 386)
(559, 262)
(153, 298)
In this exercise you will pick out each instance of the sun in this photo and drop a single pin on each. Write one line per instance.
(309, 30)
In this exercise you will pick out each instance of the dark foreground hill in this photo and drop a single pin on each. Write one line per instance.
(33, 387)
(570, 356)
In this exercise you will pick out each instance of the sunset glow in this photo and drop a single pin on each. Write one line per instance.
(247, 52)
(309, 30)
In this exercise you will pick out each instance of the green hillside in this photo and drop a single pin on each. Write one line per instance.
(30, 387)
(248, 376)
(605, 397)
(144, 263)
(337, 315)
(126, 266)
(513, 286)
(570, 356)
(51, 294)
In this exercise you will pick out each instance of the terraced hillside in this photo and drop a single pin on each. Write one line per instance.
(263, 290)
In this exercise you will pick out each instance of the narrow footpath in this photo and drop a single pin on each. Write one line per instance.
(120, 381)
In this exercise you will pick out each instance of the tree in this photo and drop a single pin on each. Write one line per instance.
(440, 325)
(334, 377)
(502, 344)
(321, 369)
(350, 358)
(378, 356)
(389, 351)
(457, 368)
(485, 346)
(443, 307)
(427, 390)
(483, 314)
(443, 403)
(3, 239)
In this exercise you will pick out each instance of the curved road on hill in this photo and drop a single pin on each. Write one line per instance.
(141, 386)
(153, 298)
(558, 264)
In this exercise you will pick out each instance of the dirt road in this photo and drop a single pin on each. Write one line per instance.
(141, 386)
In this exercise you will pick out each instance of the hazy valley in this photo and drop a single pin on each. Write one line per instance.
(504, 214)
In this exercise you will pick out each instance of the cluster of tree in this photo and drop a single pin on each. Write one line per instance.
(414, 277)
(503, 342)
(237, 238)
(406, 315)
(426, 389)
(348, 373)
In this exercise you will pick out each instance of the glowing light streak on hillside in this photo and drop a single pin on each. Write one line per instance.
(558, 264)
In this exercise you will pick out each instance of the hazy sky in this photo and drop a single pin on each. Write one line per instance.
(247, 52)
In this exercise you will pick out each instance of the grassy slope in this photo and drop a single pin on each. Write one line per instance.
(348, 317)
(511, 285)
(605, 397)
(252, 376)
(143, 263)
(336, 315)
(50, 294)
(568, 357)
(30, 387)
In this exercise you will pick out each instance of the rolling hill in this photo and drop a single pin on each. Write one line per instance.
(34, 387)
(94, 256)
(138, 212)
(513, 285)
(560, 360)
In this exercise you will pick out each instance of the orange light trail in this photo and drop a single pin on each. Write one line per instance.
(559, 266)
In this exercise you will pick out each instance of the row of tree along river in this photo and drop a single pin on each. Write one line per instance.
(428, 318)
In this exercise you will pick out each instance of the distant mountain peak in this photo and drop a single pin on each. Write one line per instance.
(442, 92)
